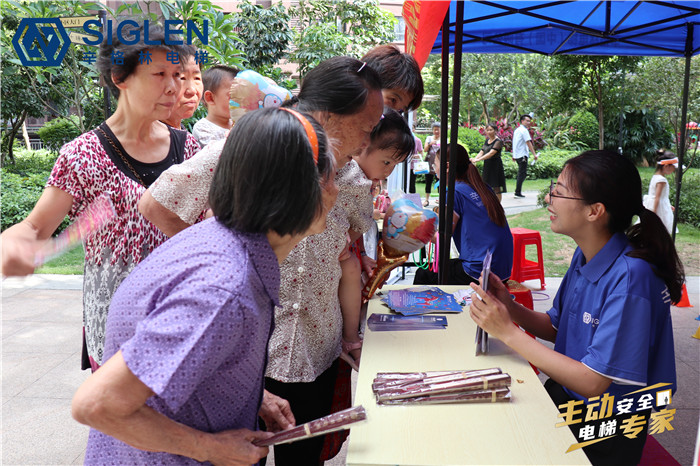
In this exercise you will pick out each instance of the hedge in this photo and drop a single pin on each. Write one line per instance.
(59, 131)
(584, 126)
(22, 185)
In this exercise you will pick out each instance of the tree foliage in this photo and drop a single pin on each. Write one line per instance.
(263, 33)
(493, 86)
(658, 84)
(587, 81)
(222, 47)
(328, 28)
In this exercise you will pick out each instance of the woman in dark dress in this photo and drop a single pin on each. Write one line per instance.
(490, 153)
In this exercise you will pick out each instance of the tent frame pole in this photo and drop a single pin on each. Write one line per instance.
(448, 176)
(680, 146)
(443, 136)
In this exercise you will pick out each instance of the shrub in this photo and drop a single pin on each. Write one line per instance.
(22, 185)
(59, 131)
(29, 161)
(583, 126)
(642, 133)
(548, 166)
(471, 140)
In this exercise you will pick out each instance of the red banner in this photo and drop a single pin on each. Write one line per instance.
(423, 22)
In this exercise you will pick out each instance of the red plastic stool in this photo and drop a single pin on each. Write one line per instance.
(523, 295)
(524, 269)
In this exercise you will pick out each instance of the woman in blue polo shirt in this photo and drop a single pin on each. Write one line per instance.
(479, 224)
(610, 321)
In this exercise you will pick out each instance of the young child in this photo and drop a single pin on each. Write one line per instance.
(657, 199)
(391, 142)
(216, 125)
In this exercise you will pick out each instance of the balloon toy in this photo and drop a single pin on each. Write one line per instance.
(251, 91)
(407, 228)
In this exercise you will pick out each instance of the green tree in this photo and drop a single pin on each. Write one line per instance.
(222, 46)
(51, 89)
(18, 100)
(263, 33)
(493, 86)
(329, 28)
(658, 84)
(586, 81)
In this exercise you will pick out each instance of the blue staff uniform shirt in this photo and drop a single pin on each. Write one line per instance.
(613, 314)
(475, 233)
(192, 322)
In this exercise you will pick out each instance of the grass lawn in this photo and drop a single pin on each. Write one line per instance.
(70, 263)
(557, 250)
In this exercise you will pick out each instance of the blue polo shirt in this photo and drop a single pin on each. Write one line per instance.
(475, 234)
(613, 314)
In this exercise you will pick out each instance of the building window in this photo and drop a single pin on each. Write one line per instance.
(399, 30)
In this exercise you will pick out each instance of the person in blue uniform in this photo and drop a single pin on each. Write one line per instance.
(610, 320)
(478, 225)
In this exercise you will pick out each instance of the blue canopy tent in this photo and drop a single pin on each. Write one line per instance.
(653, 28)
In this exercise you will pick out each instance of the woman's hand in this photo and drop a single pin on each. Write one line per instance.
(21, 241)
(491, 314)
(236, 448)
(18, 255)
(276, 413)
(491, 311)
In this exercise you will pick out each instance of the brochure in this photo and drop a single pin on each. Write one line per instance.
(393, 322)
(331, 423)
(482, 338)
(421, 300)
(484, 385)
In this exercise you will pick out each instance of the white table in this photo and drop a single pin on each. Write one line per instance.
(517, 432)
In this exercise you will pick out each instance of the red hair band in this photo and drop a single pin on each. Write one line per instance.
(310, 132)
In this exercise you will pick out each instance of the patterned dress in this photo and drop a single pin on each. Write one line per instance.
(309, 324)
(184, 188)
(85, 171)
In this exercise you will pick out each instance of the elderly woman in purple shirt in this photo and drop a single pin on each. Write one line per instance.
(187, 332)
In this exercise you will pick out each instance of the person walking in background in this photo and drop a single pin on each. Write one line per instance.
(522, 145)
(493, 173)
(415, 157)
(657, 199)
(432, 147)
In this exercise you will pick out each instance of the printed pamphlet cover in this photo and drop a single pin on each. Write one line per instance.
(422, 300)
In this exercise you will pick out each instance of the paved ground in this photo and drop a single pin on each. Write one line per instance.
(41, 335)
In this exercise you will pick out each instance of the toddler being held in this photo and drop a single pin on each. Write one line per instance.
(391, 142)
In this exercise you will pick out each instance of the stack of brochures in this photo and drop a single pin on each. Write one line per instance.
(421, 300)
(389, 322)
(401, 388)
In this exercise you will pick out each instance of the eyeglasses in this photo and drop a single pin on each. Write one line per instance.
(552, 185)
